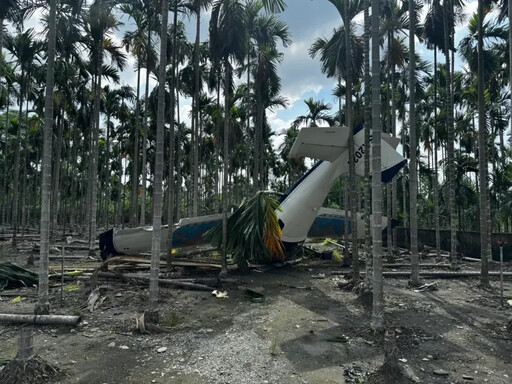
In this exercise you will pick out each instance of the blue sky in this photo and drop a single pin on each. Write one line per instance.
(301, 76)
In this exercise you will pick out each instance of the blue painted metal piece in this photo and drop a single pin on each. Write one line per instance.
(328, 226)
(192, 234)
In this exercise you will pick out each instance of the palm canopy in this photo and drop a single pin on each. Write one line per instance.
(332, 53)
(227, 30)
(493, 35)
(317, 112)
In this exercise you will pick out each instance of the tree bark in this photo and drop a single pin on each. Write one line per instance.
(43, 304)
(482, 156)
(367, 128)
(377, 321)
(225, 197)
(135, 161)
(436, 170)
(159, 163)
(95, 152)
(413, 188)
(56, 175)
(349, 123)
(170, 176)
(195, 116)
(142, 221)
(16, 168)
(39, 319)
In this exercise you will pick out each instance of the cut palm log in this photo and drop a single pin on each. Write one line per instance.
(133, 277)
(39, 319)
(433, 274)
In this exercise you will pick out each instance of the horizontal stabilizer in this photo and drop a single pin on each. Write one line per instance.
(320, 143)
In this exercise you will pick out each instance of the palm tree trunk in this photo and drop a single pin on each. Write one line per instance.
(106, 177)
(415, 272)
(225, 197)
(509, 52)
(195, 117)
(436, 170)
(351, 149)
(450, 130)
(16, 176)
(56, 175)
(179, 154)
(216, 206)
(43, 304)
(377, 322)
(170, 176)
(135, 160)
(5, 185)
(1, 36)
(142, 221)
(367, 128)
(482, 157)
(95, 151)
(159, 170)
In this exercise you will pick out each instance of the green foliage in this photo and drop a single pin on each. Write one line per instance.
(254, 235)
(12, 276)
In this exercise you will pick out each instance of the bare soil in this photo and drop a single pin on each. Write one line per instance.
(306, 330)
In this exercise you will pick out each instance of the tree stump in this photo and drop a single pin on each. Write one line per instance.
(27, 368)
(390, 371)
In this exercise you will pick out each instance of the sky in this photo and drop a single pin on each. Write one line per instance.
(301, 77)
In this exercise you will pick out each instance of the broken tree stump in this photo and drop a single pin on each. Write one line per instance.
(27, 368)
(390, 371)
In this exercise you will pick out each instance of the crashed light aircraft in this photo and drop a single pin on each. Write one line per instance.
(302, 214)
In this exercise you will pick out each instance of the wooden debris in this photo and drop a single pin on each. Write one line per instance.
(39, 319)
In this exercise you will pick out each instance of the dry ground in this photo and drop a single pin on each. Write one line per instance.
(305, 331)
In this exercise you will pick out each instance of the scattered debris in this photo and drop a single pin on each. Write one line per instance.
(16, 300)
(220, 294)
(468, 377)
(441, 372)
(427, 287)
(161, 349)
(338, 339)
(12, 276)
(319, 276)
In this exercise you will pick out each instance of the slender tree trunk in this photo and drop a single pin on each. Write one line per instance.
(5, 184)
(413, 188)
(195, 109)
(56, 175)
(377, 322)
(107, 174)
(43, 304)
(1, 36)
(95, 151)
(510, 55)
(436, 170)
(216, 206)
(142, 221)
(16, 176)
(170, 176)
(482, 156)
(225, 192)
(367, 128)
(179, 160)
(159, 170)
(351, 149)
(23, 193)
(451, 138)
(135, 160)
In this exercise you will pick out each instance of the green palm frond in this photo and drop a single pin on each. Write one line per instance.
(254, 234)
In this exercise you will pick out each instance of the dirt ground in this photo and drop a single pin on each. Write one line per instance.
(306, 330)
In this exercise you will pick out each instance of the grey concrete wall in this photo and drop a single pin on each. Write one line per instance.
(468, 243)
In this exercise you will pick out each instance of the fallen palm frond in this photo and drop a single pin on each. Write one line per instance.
(12, 276)
(254, 234)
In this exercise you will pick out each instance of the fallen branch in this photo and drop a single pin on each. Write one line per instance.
(129, 277)
(39, 319)
(436, 274)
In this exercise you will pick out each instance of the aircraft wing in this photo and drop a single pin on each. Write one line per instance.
(320, 143)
